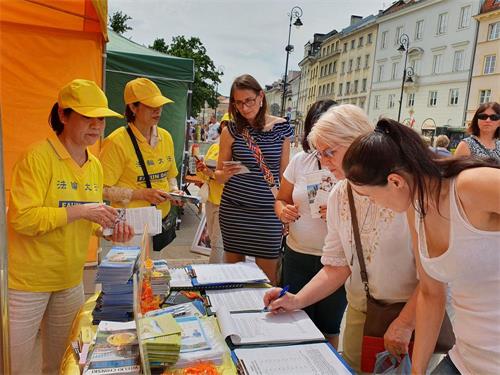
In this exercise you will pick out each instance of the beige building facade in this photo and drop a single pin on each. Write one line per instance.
(485, 82)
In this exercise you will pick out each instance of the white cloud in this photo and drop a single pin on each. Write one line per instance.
(243, 36)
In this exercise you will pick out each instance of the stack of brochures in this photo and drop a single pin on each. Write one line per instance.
(160, 278)
(161, 338)
(115, 351)
(115, 303)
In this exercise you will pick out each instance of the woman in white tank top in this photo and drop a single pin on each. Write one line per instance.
(455, 206)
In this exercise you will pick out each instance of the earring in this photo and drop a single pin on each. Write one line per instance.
(261, 103)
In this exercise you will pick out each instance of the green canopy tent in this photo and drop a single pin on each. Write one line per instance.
(127, 60)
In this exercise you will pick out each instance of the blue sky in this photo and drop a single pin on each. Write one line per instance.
(241, 36)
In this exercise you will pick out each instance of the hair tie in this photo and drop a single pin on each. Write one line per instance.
(381, 130)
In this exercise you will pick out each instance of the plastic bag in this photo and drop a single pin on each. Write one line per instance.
(203, 193)
(387, 364)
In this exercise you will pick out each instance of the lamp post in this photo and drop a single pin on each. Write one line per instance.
(404, 46)
(220, 69)
(295, 13)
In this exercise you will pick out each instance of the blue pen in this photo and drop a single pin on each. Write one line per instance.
(282, 293)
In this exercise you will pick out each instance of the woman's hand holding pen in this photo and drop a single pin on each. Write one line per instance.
(276, 301)
(289, 213)
(322, 211)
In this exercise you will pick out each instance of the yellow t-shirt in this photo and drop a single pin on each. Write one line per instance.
(215, 189)
(45, 252)
(121, 166)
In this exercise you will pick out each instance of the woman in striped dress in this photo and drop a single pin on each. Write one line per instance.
(248, 223)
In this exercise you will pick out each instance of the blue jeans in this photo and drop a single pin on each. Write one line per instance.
(445, 367)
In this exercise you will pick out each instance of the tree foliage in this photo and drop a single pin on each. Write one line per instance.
(206, 78)
(118, 22)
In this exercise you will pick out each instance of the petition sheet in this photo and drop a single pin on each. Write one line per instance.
(237, 299)
(309, 359)
(267, 328)
(242, 272)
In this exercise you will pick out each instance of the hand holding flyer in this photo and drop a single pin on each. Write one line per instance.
(319, 185)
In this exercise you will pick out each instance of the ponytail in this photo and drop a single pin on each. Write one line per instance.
(55, 121)
(394, 148)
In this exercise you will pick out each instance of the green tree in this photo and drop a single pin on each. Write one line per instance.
(118, 22)
(206, 76)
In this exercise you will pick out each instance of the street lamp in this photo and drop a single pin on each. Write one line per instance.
(404, 46)
(295, 13)
(220, 69)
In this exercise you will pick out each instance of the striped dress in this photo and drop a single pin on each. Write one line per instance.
(248, 223)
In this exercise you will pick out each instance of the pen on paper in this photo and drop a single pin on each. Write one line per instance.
(282, 293)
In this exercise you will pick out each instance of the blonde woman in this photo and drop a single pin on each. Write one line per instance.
(385, 240)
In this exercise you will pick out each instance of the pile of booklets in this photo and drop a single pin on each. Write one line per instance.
(160, 278)
(161, 338)
(115, 303)
(116, 350)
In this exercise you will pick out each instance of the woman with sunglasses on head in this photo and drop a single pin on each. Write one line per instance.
(453, 208)
(306, 234)
(261, 143)
(484, 141)
(385, 240)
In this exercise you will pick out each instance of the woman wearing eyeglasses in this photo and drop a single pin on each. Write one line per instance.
(484, 141)
(261, 143)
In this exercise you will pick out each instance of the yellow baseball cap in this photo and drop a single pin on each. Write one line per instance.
(85, 98)
(226, 117)
(145, 91)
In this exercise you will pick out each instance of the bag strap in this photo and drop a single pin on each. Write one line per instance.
(139, 156)
(259, 157)
(357, 241)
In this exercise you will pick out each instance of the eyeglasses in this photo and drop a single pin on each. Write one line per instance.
(484, 116)
(247, 102)
(328, 153)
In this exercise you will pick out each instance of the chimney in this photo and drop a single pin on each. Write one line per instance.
(355, 19)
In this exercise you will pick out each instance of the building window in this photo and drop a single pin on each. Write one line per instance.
(360, 42)
(411, 99)
(380, 73)
(353, 42)
(414, 64)
(321, 72)
(454, 96)
(394, 71)
(489, 64)
(369, 39)
(484, 96)
(335, 66)
(494, 31)
(342, 71)
(399, 31)
(362, 102)
(340, 89)
(436, 64)
(442, 25)
(391, 101)
(358, 63)
(419, 29)
(383, 39)
(345, 47)
(363, 85)
(376, 102)
(330, 68)
(356, 86)
(465, 15)
(458, 61)
(433, 98)
(367, 59)
(350, 66)
(348, 88)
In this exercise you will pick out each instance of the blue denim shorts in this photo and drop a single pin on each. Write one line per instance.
(298, 269)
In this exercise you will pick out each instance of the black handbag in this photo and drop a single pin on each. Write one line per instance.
(380, 315)
(169, 222)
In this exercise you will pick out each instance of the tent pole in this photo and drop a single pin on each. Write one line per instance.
(189, 107)
(4, 302)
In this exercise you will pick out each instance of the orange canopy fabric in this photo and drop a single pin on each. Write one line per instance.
(44, 45)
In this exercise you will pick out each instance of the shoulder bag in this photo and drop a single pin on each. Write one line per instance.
(380, 315)
(168, 224)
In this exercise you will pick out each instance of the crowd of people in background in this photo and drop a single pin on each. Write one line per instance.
(406, 221)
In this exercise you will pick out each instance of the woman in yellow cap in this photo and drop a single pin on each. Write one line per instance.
(125, 183)
(206, 171)
(50, 223)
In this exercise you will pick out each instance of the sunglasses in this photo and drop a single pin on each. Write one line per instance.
(328, 153)
(484, 116)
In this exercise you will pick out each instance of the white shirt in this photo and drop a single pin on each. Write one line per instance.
(213, 134)
(307, 234)
(471, 266)
(387, 249)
